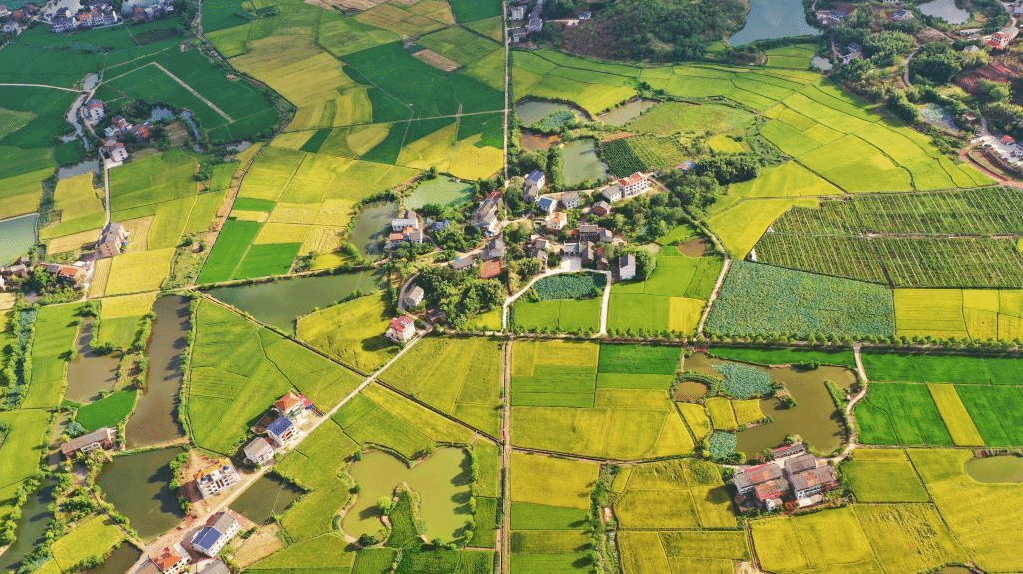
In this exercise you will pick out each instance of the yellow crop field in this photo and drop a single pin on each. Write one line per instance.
(721, 414)
(820, 540)
(462, 159)
(22, 193)
(553, 481)
(908, 537)
(127, 305)
(138, 272)
(270, 173)
(684, 314)
(73, 242)
(741, 226)
(91, 538)
(953, 412)
(696, 418)
(100, 276)
(747, 411)
(76, 196)
(973, 313)
(282, 233)
(352, 331)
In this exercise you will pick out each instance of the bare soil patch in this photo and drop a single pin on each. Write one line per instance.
(436, 60)
(694, 247)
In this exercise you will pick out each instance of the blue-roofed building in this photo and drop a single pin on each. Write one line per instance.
(532, 185)
(281, 431)
(547, 205)
(210, 539)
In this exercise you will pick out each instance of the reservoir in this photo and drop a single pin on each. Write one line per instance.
(769, 19)
(30, 529)
(626, 112)
(155, 418)
(1004, 469)
(268, 496)
(531, 111)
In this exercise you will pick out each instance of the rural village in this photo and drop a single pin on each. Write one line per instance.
(511, 287)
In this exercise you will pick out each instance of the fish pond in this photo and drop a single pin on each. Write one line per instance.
(442, 191)
(443, 481)
(531, 111)
(90, 373)
(996, 469)
(269, 495)
(582, 164)
(154, 420)
(769, 19)
(17, 236)
(946, 10)
(537, 141)
(119, 561)
(371, 228)
(815, 417)
(30, 529)
(138, 485)
(278, 303)
(626, 112)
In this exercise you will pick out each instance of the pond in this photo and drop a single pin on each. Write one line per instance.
(996, 469)
(443, 481)
(627, 112)
(280, 302)
(532, 111)
(371, 228)
(119, 561)
(946, 10)
(90, 373)
(268, 496)
(443, 191)
(17, 236)
(78, 169)
(30, 529)
(690, 391)
(155, 418)
(537, 141)
(582, 163)
(138, 485)
(768, 19)
(815, 417)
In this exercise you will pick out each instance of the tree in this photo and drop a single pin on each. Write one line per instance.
(937, 62)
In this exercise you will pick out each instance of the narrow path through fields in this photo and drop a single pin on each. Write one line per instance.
(44, 86)
(504, 533)
(714, 294)
(604, 304)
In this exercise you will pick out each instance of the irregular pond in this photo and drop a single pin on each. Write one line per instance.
(280, 302)
(532, 111)
(996, 469)
(946, 10)
(443, 481)
(17, 236)
(582, 163)
(30, 529)
(155, 418)
(138, 485)
(78, 169)
(690, 391)
(627, 112)
(119, 561)
(90, 373)
(769, 19)
(442, 191)
(268, 496)
(371, 228)
(815, 417)
(537, 141)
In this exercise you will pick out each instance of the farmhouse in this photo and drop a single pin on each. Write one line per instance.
(414, 297)
(259, 452)
(546, 205)
(901, 15)
(612, 192)
(794, 474)
(490, 269)
(218, 531)
(99, 439)
(118, 152)
(495, 249)
(216, 477)
(94, 110)
(463, 262)
(556, 221)
(852, 52)
(172, 559)
(747, 479)
(830, 18)
(66, 274)
(627, 267)
(788, 450)
(486, 216)
(401, 329)
(407, 219)
(570, 199)
(635, 184)
(291, 405)
(113, 241)
(517, 34)
(281, 431)
(534, 182)
(601, 208)
(595, 233)
(813, 482)
(215, 567)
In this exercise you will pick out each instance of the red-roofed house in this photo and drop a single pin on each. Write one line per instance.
(118, 152)
(490, 269)
(290, 405)
(94, 110)
(402, 329)
(634, 184)
(172, 559)
(1008, 140)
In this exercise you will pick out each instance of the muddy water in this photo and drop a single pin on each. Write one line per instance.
(996, 469)
(625, 113)
(155, 418)
(268, 496)
(30, 529)
(280, 302)
(119, 561)
(690, 391)
(443, 481)
(89, 373)
(371, 228)
(138, 485)
(815, 417)
(536, 141)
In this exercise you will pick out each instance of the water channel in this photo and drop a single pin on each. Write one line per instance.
(30, 529)
(371, 228)
(280, 302)
(268, 496)
(946, 10)
(769, 19)
(17, 236)
(89, 373)
(138, 485)
(155, 418)
(582, 163)
(443, 481)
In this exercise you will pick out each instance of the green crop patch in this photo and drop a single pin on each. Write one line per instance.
(901, 414)
(956, 369)
(638, 359)
(569, 286)
(152, 180)
(884, 481)
(473, 10)
(642, 153)
(106, 412)
(56, 328)
(527, 516)
(232, 243)
(267, 259)
(253, 204)
(995, 412)
(562, 315)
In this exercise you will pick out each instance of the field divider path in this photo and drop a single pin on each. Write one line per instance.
(182, 83)
(72, 90)
(714, 294)
(504, 533)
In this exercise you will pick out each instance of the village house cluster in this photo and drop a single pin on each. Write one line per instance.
(794, 479)
(87, 15)
(525, 25)
(1005, 152)
(116, 132)
(202, 548)
(17, 20)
